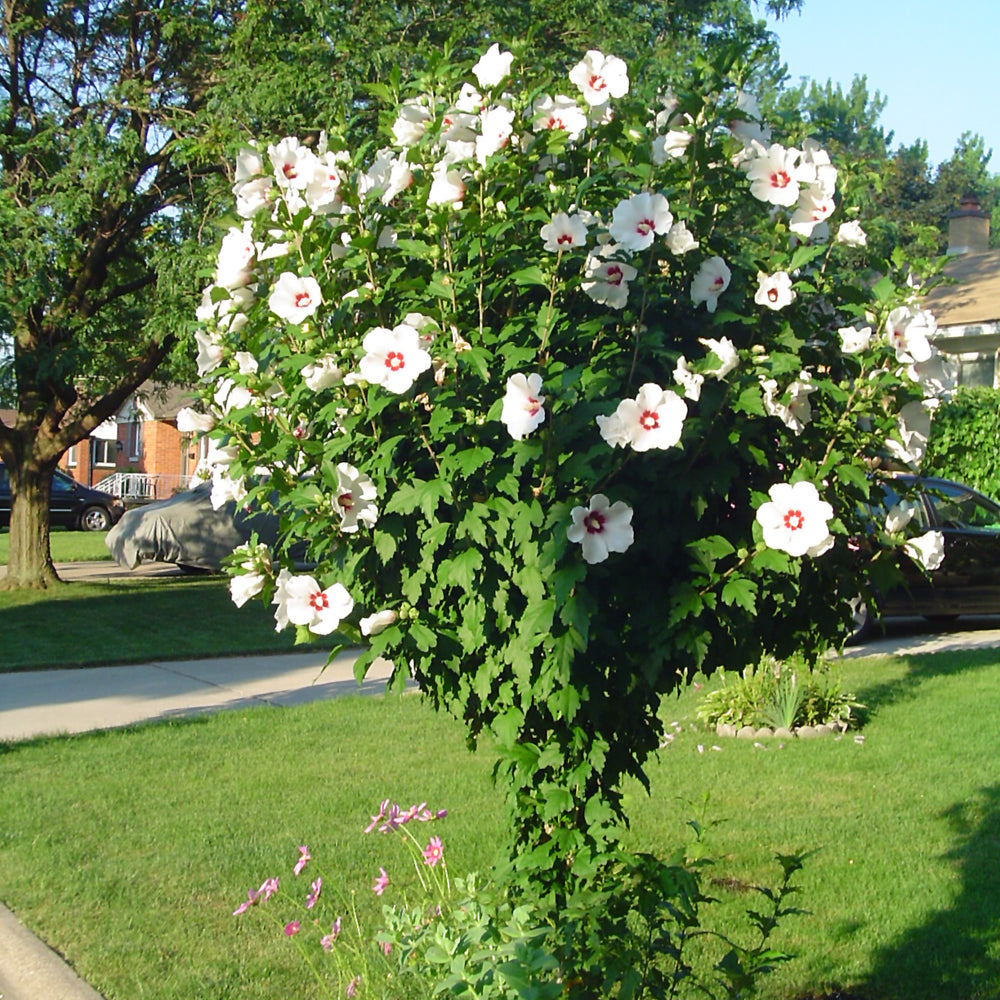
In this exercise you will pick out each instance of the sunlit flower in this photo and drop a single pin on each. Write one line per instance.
(295, 299)
(433, 852)
(671, 146)
(601, 528)
(725, 351)
(795, 519)
(690, 381)
(191, 421)
(564, 232)
(899, 516)
(293, 163)
(411, 123)
(378, 622)
(225, 488)
(853, 340)
(926, 549)
(812, 209)
(636, 221)
(851, 234)
(292, 928)
(323, 193)
(913, 425)
(522, 410)
(393, 358)
(775, 174)
(352, 986)
(301, 601)
(680, 239)
(496, 125)
(600, 78)
(327, 940)
(605, 279)
(246, 586)
(236, 254)
(314, 892)
(710, 282)
(355, 493)
(381, 883)
(493, 66)
(210, 352)
(908, 330)
(447, 187)
(322, 373)
(774, 290)
(654, 419)
(304, 858)
(558, 113)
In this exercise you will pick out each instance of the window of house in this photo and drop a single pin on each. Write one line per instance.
(135, 439)
(105, 452)
(71, 456)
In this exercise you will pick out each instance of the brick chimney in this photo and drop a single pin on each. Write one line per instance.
(968, 227)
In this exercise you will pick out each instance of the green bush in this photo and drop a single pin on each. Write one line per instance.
(965, 440)
(779, 695)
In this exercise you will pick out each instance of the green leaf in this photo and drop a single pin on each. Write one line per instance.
(424, 638)
(742, 592)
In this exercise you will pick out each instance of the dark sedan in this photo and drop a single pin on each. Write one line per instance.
(968, 580)
(71, 504)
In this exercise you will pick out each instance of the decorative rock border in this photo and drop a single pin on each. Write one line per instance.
(765, 732)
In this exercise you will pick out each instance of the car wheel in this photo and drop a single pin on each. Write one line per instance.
(95, 519)
(861, 620)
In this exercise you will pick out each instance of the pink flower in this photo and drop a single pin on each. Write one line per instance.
(381, 883)
(433, 852)
(304, 856)
(327, 940)
(386, 947)
(376, 819)
(352, 986)
(292, 928)
(314, 890)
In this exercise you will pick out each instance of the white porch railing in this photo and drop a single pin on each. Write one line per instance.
(142, 487)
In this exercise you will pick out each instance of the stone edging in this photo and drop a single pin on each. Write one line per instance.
(799, 732)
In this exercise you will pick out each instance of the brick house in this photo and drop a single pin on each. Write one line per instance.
(139, 454)
(968, 312)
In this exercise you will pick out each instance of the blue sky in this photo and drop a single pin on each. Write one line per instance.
(937, 62)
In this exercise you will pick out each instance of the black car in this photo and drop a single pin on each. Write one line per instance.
(71, 504)
(968, 580)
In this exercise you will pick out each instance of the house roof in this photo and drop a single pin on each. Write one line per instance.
(975, 298)
(161, 402)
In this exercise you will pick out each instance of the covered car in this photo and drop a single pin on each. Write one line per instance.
(187, 531)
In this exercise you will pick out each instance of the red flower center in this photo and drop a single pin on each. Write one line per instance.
(394, 361)
(772, 295)
(649, 420)
(594, 522)
(302, 300)
(645, 226)
(597, 82)
(564, 238)
(288, 169)
(794, 520)
(718, 282)
(614, 274)
(319, 601)
(346, 501)
(533, 406)
(780, 179)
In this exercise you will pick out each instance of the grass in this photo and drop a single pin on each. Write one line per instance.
(128, 850)
(133, 621)
(66, 546)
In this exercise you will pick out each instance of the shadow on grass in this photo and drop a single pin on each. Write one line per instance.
(922, 667)
(956, 953)
(100, 624)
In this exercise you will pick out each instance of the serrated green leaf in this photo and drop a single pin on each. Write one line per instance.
(742, 592)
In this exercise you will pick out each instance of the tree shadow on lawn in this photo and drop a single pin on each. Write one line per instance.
(921, 667)
(955, 954)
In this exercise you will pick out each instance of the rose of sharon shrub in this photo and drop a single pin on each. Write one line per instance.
(527, 466)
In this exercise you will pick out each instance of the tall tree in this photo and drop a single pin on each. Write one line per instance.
(116, 118)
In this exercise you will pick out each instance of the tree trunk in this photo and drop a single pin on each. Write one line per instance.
(30, 556)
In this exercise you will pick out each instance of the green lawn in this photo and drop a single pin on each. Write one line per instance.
(132, 621)
(66, 546)
(129, 850)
